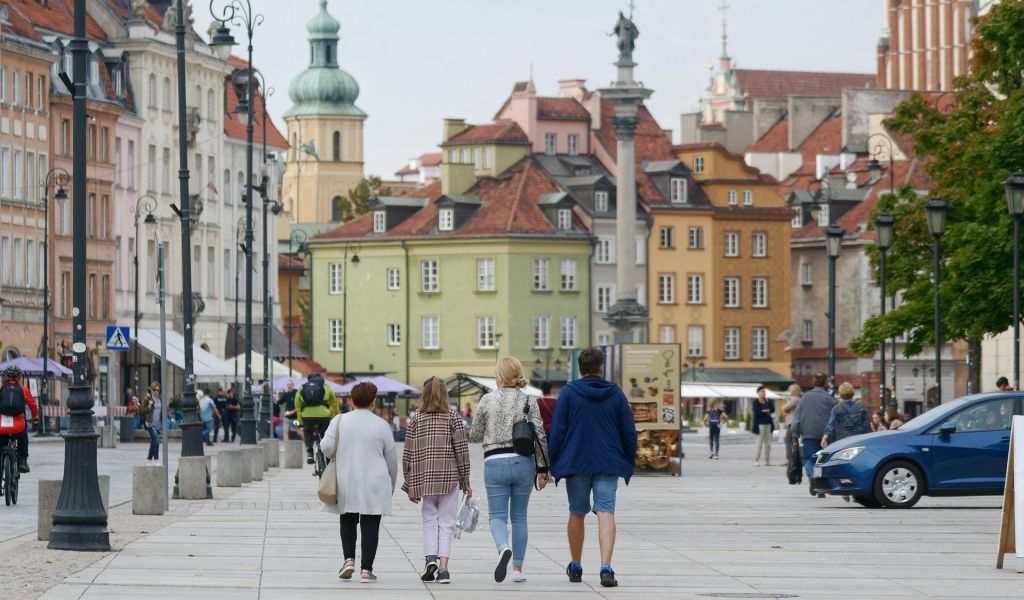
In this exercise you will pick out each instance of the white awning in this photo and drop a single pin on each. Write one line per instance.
(489, 383)
(276, 369)
(206, 367)
(697, 390)
(725, 390)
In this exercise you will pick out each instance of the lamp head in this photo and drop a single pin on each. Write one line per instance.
(833, 241)
(883, 231)
(222, 36)
(276, 208)
(936, 211)
(875, 169)
(355, 260)
(61, 194)
(1014, 186)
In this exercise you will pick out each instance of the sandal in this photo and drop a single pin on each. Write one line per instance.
(347, 569)
(367, 577)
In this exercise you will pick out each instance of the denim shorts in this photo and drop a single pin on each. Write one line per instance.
(580, 487)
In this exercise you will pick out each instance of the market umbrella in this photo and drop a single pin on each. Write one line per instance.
(33, 367)
(385, 385)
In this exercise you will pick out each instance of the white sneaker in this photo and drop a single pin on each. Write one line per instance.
(518, 577)
(757, 463)
(502, 569)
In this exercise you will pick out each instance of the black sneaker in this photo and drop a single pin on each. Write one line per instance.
(443, 576)
(575, 575)
(429, 569)
(501, 570)
(608, 578)
(309, 457)
(23, 466)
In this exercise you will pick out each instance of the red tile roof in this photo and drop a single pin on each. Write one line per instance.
(123, 10)
(502, 132)
(56, 15)
(759, 84)
(430, 159)
(651, 144)
(776, 139)
(234, 128)
(21, 25)
(561, 109)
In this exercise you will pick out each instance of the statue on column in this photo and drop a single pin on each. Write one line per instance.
(627, 33)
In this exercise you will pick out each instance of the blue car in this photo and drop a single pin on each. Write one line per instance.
(956, 449)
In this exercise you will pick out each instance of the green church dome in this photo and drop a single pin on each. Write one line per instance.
(323, 88)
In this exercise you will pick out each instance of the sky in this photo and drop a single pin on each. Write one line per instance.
(420, 61)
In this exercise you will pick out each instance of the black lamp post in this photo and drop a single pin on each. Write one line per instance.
(1014, 185)
(299, 236)
(239, 234)
(833, 245)
(266, 422)
(145, 204)
(57, 177)
(354, 249)
(80, 519)
(692, 366)
(936, 211)
(883, 240)
(884, 148)
(240, 12)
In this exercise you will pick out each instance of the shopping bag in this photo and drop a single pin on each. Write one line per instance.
(469, 516)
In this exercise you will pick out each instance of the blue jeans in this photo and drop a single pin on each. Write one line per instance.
(811, 445)
(714, 437)
(154, 443)
(207, 427)
(579, 489)
(509, 482)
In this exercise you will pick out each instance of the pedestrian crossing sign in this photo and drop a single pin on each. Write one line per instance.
(118, 338)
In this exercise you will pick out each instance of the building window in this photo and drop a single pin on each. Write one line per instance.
(748, 198)
(378, 221)
(453, 156)
(104, 217)
(568, 331)
(798, 218)
(574, 144)
(759, 343)
(151, 170)
(337, 208)
(695, 340)
(568, 274)
(698, 164)
(485, 338)
(446, 219)
(695, 238)
(604, 298)
(824, 215)
(429, 276)
(65, 138)
(695, 289)
(431, 333)
(806, 274)
(540, 275)
(394, 278)
(760, 244)
(678, 190)
(760, 287)
(640, 247)
(65, 293)
(334, 274)
(487, 158)
(732, 243)
(167, 94)
(808, 330)
(541, 331)
(604, 253)
(151, 91)
(336, 146)
(465, 156)
(666, 237)
(666, 288)
(485, 274)
(732, 197)
(90, 216)
(228, 273)
(601, 201)
(565, 219)
(550, 143)
(167, 171)
(732, 343)
(732, 292)
(667, 334)
(335, 335)
(476, 157)
(394, 334)
(604, 339)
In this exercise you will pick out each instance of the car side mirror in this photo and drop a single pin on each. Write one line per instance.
(948, 428)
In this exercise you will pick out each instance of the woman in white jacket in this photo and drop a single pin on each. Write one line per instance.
(362, 448)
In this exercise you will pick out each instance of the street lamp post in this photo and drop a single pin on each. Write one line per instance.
(299, 236)
(1014, 185)
(80, 519)
(145, 204)
(833, 245)
(883, 240)
(240, 12)
(936, 211)
(354, 249)
(884, 149)
(57, 177)
(239, 234)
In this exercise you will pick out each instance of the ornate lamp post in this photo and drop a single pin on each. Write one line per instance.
(57, 177)
(1014, 186)
(883, 240)
(936, 210)
(354, 249)
(145, 204)
(833, 245)
(240, 12)
(239, 234)
(883, 148)
(299, 237)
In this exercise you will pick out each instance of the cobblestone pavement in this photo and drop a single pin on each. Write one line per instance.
(726, 528)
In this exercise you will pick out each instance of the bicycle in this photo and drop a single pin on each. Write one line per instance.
(320, 461)
(9, 474)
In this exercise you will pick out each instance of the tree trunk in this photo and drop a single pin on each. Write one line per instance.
(973, 365)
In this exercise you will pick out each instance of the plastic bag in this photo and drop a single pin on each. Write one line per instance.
(468, 517)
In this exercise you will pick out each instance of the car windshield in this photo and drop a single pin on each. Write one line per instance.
(938, 412)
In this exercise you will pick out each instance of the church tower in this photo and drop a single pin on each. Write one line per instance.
(325, 131)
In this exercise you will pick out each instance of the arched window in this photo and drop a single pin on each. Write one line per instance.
(11, 353)
(199, 100)
(227, 187)
(336, 209)
(295, 146)
(241, 184)
(337, 146)
(167, 93)
(330, 52)
(151, 91)
(211, 114)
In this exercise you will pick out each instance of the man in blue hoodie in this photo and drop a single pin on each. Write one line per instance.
(592, 443)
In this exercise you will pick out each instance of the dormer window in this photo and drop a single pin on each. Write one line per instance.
(564, 219)
(601, 202)
(446, 219)
(698, 164)
(581, 171)
(679, 192)
(378, 221)
(550, 143)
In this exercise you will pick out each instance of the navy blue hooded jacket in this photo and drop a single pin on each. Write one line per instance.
(592, 431)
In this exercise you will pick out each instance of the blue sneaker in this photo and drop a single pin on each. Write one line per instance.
(575, 572)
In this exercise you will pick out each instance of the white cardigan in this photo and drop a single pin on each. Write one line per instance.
(366, 463)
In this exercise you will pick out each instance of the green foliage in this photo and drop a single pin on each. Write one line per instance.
(357, 201)
(972, 147)
(305, 332)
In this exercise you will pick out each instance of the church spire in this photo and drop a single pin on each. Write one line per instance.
(725, 37)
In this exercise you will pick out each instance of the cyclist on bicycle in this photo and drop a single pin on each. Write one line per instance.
(315, 406)
(14, 397)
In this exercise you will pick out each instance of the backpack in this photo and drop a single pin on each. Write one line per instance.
(848, 422)
(12, 400)
(313, 394)
(524, 436)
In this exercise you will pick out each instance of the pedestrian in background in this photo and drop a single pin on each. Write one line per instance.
(152, 414)
(219, 416)
(286, 402)
(812, 415)
(763, 425)
(435, 465)
(593, 444)
(509, 477)
(1003, 385)
(713, 420)
(546, 403)
(362, 450)
(792, 443)
(848, 417)
(234, 410)
(315, 406)
(878, 422)
(207, 410)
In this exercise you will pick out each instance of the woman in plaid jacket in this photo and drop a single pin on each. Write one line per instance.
(435, 465)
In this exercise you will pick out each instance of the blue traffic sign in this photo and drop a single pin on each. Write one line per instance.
(118, 338)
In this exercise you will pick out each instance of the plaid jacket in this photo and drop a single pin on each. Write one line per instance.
(436, 456)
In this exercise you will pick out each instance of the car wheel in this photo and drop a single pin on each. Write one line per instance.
(899, 485)
(867, 501)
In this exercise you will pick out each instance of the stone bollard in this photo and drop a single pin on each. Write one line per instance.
(254, 458)
(271, 453)
(293, 451)
(192, 478)
(230, 466)
(148, 490)
(49, 494)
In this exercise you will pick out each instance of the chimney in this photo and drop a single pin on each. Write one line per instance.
(572, 88)
(451, 128)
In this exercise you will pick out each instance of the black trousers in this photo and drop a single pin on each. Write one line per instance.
(231, 424)
(369, 528)
(310, 424)
(21, 439)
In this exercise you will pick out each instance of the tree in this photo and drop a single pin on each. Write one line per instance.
(971, 149)
(357, 201)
